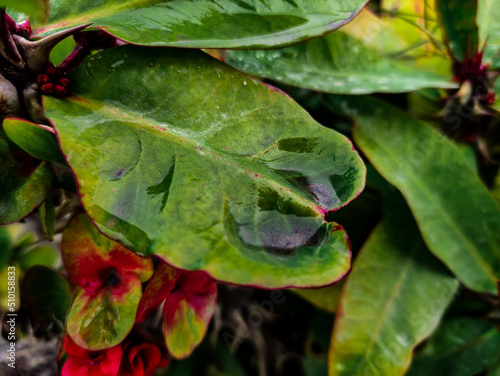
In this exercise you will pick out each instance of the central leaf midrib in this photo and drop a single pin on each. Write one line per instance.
(396, 290)
(132, 119)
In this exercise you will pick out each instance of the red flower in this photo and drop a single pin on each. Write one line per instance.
(95, 363)
(141, 360)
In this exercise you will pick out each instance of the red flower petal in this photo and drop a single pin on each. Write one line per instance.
(141, 360)
(157, 290)
(83, 362)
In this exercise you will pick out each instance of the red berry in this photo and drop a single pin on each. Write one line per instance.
(51, 70)
(42, 79)
(61, 91)
(64, 82)
(47, 89)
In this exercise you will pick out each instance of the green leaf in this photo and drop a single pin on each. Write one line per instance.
(109, 279)
(187, 313)
(39, 255)
(48, 297)
(186, 158)
(24, 185)
(488, 13)
(458, 18)
(460, 347)
(38, 10)
(326, 298)
(458, 218)
(495, 367)
(102, 319)
(394, 297)
(37, 140)
(207, 23)
(342, 62)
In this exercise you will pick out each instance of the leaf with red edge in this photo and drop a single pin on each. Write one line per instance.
(157, 290)
(187, 313)
(84, 362)
(109, 277)
(90, 256)
(101, 319)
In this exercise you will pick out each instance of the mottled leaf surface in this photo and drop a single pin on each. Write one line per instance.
(187, 313)
(109, 279)
(460, 347)
(394, 297)
(207, 23)
(345, 62)
(24, 182)
(457, 216)
(188, 159)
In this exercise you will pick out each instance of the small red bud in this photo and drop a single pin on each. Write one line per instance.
(61, 91)
(47, 89)
(64, 82)
(51, 70)
(42, 79)
(490, 98)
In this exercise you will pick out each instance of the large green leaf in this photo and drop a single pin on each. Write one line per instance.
(488, 14)
(178, 155)
(458, 18)
(344, 62)
(459, 219)
(24, 182)
(207, 23)
(461, 347)
(393, 298)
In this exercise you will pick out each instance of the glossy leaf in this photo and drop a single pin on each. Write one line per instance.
(109, 279)
(87, 253)
(488, 13)
(187, 313)
(48, 304)
(207, 23)
(103, 318)
(38, 10)
(394, 297)
(38, 140)
(458, 218)
(207, 168)
(343, 62)
(458, 18)
(460, 347)
(24, 185)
